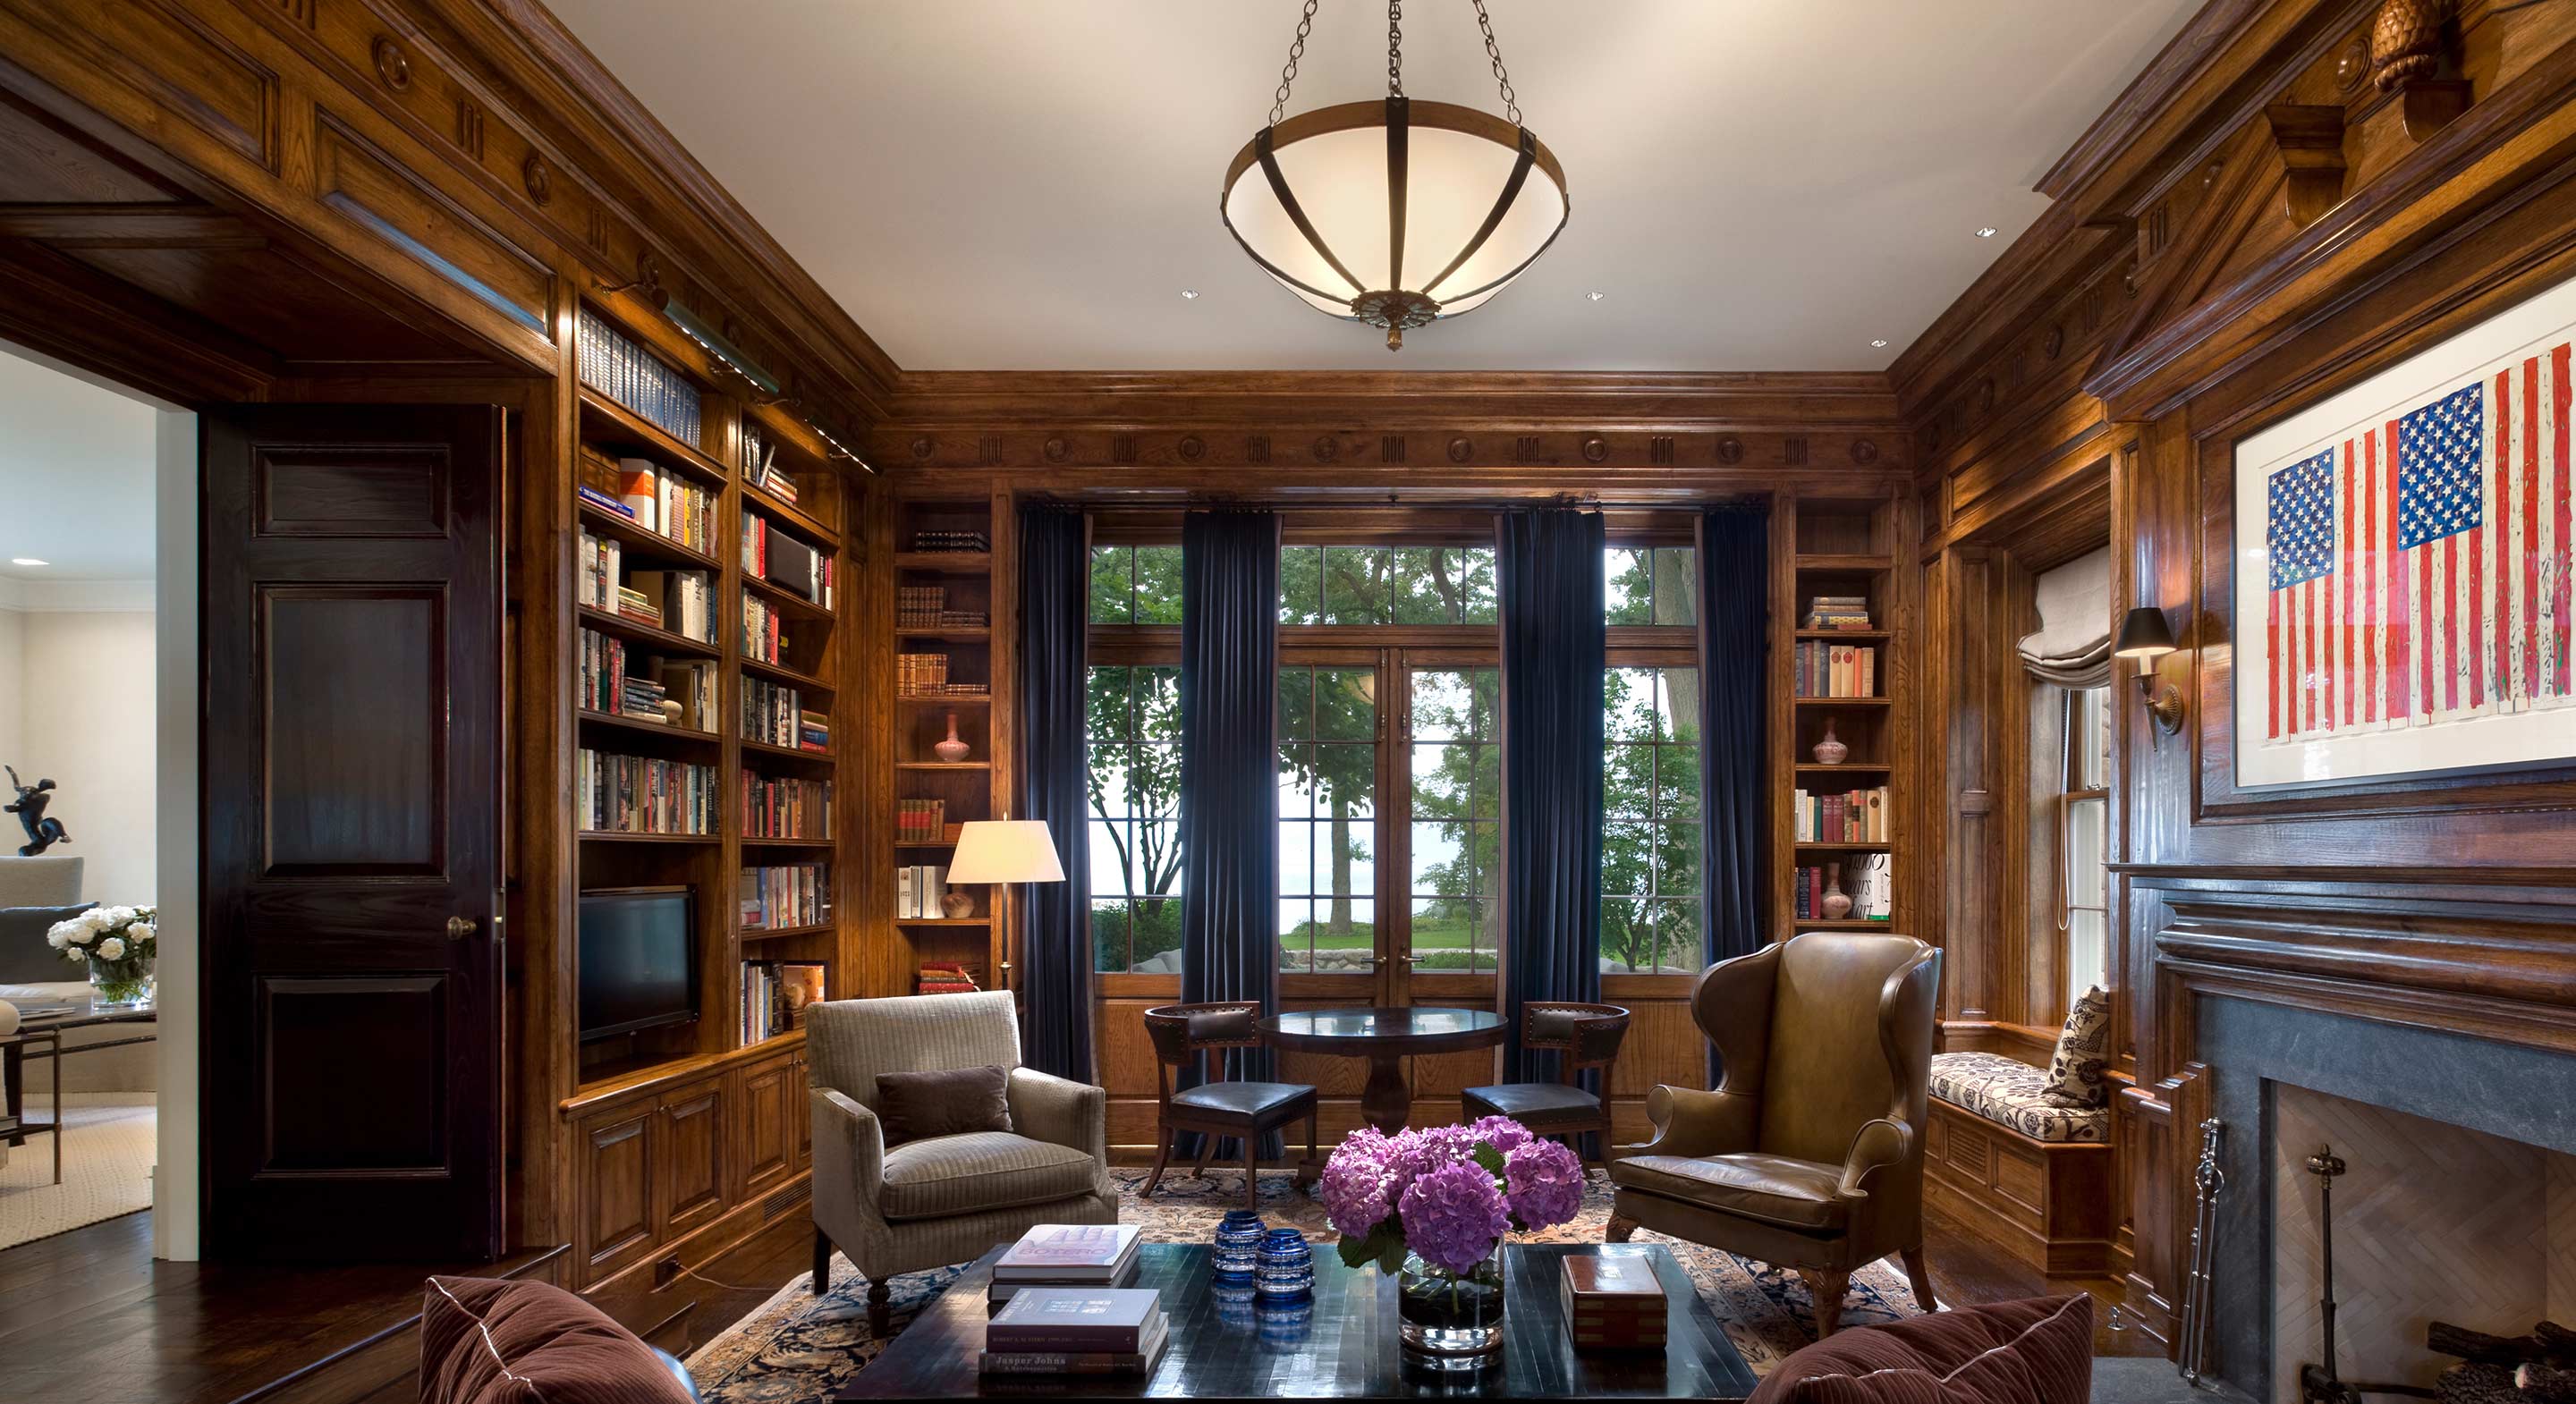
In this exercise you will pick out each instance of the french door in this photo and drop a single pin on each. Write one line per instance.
(1390, 838)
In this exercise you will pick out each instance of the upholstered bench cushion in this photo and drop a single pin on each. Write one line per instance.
(2009, 1094)
(1535, 1102)
(945, 1176)
(1245, 1099)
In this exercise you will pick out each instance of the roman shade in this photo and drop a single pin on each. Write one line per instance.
(2073, 645)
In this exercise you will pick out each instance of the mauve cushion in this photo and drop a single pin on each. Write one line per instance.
(916, 1106)
(488, 1341)
(2038, 1351)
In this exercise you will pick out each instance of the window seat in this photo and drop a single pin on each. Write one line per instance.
(2033, 1177)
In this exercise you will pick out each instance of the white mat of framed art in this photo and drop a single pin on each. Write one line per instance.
(2402, 566)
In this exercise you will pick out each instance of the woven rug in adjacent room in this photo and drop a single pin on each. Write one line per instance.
(796, 1346)
(108, 1154)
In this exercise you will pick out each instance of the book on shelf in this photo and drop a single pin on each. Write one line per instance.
(633, 604)
(772, 714)
(779, 558)
(760, 463)
(1855, 816)
(783, 808)
(1079, 1319)
(618, 367)
(776, 994)
(1836, 612)
(945, 977)
(781, 895)
(693, 686)
(1868, 879)
(603, 499)
(950, 543)
(920, 820)
(642, 794)
(1612, 1301)
(599, 569)
(813, 731)
(1822, 669)
(919, 890)
(685, 600)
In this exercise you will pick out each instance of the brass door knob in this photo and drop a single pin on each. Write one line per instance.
(458, 928)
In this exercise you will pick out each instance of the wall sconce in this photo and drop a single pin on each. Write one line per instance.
(2146, 637)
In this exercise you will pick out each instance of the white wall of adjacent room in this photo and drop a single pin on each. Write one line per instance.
(77, 704)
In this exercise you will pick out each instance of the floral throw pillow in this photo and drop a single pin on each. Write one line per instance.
(2083, 1052)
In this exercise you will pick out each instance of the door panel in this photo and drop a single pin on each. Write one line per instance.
(616, 1187)
(693, 1143)
(352, 991)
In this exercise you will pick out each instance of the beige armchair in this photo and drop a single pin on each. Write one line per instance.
(1809, 1154)
(942, 1199)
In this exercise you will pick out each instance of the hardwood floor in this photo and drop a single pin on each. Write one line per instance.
(196, 1333)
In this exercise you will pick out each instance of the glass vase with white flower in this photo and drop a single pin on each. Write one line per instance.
(119, 945)
(1432, 1206)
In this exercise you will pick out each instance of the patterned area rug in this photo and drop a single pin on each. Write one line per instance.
(108, 1152)
(796, 1346)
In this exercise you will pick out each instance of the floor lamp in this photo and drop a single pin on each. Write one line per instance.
(1003, 852)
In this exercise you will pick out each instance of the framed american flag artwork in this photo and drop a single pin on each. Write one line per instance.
(2403, 554)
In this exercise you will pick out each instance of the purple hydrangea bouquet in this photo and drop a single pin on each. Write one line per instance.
(1432, 1205)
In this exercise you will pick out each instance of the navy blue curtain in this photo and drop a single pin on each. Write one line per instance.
(1230, 769)
(1055, 945)
(1734, 768)
(1554, 644)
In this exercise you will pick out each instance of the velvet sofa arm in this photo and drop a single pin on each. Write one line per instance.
(1878, 1145)
(1048, 1108)
(1690, 1123)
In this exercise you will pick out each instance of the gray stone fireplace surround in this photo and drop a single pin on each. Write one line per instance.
(2521, 1093)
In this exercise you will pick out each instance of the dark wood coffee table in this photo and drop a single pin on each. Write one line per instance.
(1344, 1345)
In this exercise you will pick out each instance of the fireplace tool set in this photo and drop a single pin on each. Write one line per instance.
(2208, 1182)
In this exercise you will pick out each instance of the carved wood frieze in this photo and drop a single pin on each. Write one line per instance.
(1426, 452)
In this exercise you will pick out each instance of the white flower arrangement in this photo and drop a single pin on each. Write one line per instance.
(108, 934)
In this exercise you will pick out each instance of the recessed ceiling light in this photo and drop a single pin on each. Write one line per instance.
(1596, 296)
(1878, 341)
(1190, 294)
(27, 560)
(1986, 233)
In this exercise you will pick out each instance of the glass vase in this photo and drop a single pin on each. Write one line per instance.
(1451, 1315)
(120, 984)
(1238, 1246)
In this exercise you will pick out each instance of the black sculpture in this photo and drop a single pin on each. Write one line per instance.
(42, 833)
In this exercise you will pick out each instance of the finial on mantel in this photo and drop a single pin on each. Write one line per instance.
(2406, 42)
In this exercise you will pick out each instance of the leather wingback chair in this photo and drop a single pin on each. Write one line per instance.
(1809, 1154)
(938, 1200)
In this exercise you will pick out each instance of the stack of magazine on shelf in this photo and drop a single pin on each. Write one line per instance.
(1068, 1255)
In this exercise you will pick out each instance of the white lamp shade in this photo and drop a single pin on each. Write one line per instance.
(1005, 850)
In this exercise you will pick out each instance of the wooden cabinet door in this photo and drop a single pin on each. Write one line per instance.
(618, 1220)
(768, 1134)
(352, 731)
(693, 1156)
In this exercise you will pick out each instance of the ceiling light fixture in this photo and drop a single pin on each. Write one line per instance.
(1596, 296)
(1394, 213)
(27, 560)
(1189, 294)
(1878, 341)
(1986, 233)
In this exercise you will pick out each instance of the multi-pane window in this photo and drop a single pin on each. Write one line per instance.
(1133, 728)
(1650, 585)
(1135, 584)
(1650, 843)
(1386, 585)
(1327, 819)
(2084, 804)
(1455, 765)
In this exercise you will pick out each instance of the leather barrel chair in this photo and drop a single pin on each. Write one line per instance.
(1809, 1155)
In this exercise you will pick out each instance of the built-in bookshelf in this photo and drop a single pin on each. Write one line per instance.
(947, 732)
(1838, 675)
(708, 590)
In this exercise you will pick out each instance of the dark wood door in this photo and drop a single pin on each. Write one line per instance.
(352, 975)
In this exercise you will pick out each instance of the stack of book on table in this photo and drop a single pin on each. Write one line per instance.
(1613, 1302)
(1068, 1255)
(1077, 1331)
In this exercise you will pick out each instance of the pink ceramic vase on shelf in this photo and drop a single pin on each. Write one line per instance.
(951, 750)
(1830, 751)
(1837, 904)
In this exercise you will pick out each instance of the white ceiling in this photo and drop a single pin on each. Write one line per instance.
(1756, 185)
(76, 468)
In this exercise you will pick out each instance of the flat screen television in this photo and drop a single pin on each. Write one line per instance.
(639, 959)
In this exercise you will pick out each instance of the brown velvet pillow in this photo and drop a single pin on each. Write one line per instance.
(487, 1341)
(951, 1102)
(2038, 1351)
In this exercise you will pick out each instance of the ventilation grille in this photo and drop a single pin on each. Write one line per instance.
(785, 1200)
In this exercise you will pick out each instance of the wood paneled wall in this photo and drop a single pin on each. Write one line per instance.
(2257, 223)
